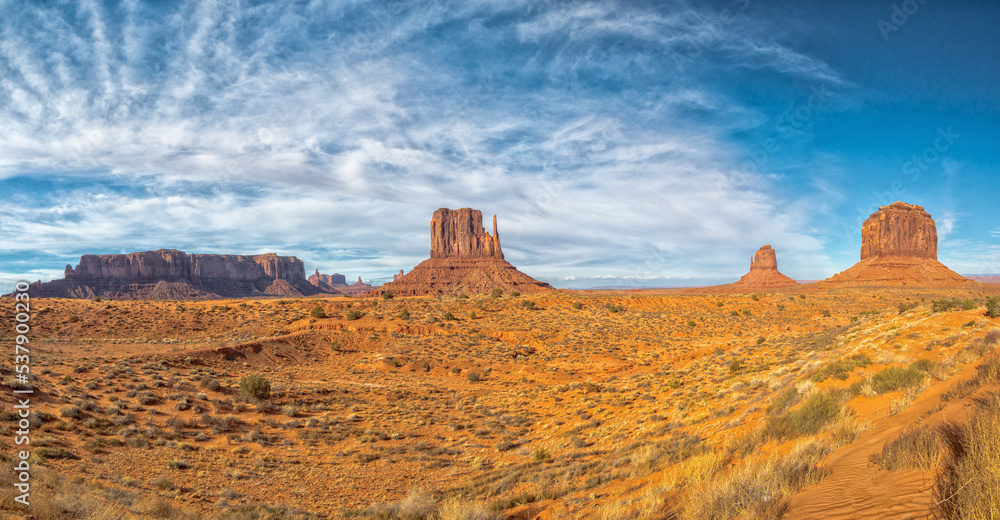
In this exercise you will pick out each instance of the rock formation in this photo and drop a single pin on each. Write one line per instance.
(464, 259)
(397, 276)
(898, 247)
(763, 273)
(172, 274)
(337, 284)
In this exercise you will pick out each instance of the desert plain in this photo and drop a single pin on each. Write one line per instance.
(562, 404)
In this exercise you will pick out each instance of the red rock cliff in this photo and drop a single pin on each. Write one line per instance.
(899, 229)
(765, 259)
(172, 274)
(460, 233)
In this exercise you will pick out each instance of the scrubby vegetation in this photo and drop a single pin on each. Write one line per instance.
(918, 447)
(255, 387)
(968, 486)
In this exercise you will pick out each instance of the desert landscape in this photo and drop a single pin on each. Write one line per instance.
(518, 260)
(762, 399)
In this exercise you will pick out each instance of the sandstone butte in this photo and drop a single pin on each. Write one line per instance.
(168, 274)
(464, 259)
(898, 247)
(336, 283)
(763, 273)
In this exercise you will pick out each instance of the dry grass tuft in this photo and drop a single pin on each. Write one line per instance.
(968, 487)
(915, 448)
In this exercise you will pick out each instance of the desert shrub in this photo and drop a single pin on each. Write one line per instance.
(540, 454)
(317, 312)
(387, 295)
(496, 293)
(761, 340)
(613, 308)
(915, 448)
(457, 509)
(577, 305)
(957, 303)
(784, 401)
(894, 378)
(515, 294)
(404, 314)
(354, 314)
(903, 307)
(924, 365)
(448, 316)
(735, 366)
(71, 412)
(968, 485)
(47, 452)
(255, 387)
(755, 491)
(808, 418)
(993, 307)
(210, 383)
(841, 369)
(474, 377)
(528, 304)
(826, 313)
(417, 505)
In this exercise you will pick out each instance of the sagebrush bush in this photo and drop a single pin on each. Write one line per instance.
(317, 312)
(256, 387)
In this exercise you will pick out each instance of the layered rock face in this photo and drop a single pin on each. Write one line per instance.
(898, 247)
(172, 274)
(899, 229)
(460, 233)
(464, 259)
(763, 273)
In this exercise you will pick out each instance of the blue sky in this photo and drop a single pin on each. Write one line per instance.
(648, 143)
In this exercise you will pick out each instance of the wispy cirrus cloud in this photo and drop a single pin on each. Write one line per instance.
(336, 129)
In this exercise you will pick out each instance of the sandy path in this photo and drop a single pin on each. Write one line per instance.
(858, 489)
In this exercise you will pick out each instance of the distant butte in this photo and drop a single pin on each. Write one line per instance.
(168, 274)
(764, 273)
(337, 283)
(464, 258)
(898, 247)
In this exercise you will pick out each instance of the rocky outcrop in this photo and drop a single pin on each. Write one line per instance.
(464, 259)
(337, 284)
(899, 229)
(460, 233)
(397, 276)
(172, 274)
(898, 247)
(764, 273)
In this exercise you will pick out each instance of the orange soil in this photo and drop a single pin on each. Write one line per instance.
(365, 410)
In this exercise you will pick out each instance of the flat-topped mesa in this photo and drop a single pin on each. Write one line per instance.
(899, 229)
(173, 274)
(764, 259)
(460, 233)
(898, 247)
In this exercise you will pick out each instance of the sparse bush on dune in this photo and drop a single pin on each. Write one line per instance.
(807, 419)
(317, 312)
(968, 486)
(894, 378)
(916, 448)
(757, 491)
